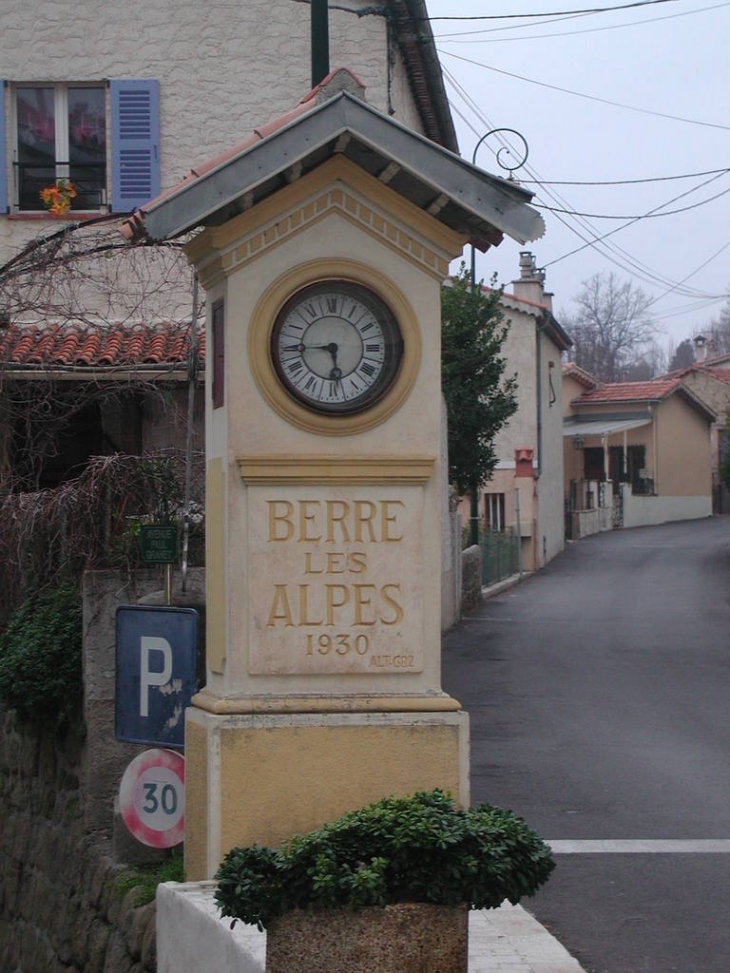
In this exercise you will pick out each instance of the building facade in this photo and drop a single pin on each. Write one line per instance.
(636, 453)
(709, 378)
(123, 101)
(529, 472)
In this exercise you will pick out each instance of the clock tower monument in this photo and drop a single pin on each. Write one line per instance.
(324, 250)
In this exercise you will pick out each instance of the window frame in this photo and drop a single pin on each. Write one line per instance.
(62, 148)
(494, 512)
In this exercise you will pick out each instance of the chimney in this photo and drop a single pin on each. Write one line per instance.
(523, 461)
(700, 343)
(530, 286)
(339, 79)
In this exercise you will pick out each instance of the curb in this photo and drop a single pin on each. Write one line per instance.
(504, 585)
(510, 940)
(192, 935)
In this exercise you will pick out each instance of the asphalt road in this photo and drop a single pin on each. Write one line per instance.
(599, 697)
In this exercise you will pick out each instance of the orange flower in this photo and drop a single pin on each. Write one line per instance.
(57, 198)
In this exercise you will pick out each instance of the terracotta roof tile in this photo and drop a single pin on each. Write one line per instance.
(581, 376)
(700, 368)
(630, 391)
(22, 350)
(110, 348)
(85, 346)
(88, 350)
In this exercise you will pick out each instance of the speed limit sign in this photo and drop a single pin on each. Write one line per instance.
(152, 798)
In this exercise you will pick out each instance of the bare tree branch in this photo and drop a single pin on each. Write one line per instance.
(80, 277)
(611, 328)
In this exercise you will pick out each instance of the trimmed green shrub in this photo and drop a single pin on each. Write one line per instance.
(40, 657)
(401, 849)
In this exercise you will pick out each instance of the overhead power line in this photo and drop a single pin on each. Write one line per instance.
(555, 13)
(685, 309)
(580, 94)
(653, 215)
(473, 35)
(692, 273)
(631, 221)
(587, 233)
(620, 182)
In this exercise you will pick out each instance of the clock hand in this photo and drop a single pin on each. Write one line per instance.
(332, 348)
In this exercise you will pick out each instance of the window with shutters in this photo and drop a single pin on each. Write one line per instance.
(60, 134)
(103, 138)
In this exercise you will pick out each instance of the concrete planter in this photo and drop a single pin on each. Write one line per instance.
(409, 937)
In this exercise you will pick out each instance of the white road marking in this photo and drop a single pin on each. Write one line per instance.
(641, 846)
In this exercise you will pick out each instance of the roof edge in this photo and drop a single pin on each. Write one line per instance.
(677, 386)
(490, 199)
(695, 400)
(581, 376)
(415, 39)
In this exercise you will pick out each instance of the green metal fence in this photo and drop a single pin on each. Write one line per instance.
(499, 554)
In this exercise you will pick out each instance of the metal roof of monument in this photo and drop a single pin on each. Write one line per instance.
(456, 193)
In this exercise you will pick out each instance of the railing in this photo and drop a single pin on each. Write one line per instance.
(589, 507)
(89, 181)
(590, 494)
(499, 554)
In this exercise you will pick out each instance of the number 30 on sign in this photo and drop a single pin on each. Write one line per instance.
(152, 798)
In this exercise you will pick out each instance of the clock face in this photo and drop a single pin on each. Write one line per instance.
(336, 347)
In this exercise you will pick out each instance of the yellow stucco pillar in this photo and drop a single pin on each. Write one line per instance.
(324, 498)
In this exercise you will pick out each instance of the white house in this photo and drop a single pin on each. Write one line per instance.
(529, 474)
(122, 101)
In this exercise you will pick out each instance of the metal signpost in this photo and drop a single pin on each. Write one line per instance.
(155, 673)
(159, 545)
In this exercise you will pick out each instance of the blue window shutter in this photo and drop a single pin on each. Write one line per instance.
(3, 170)
(135, 108)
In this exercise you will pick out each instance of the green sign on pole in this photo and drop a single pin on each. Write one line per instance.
(159, 545)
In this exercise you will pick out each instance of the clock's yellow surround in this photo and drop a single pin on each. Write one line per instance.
(262, 367)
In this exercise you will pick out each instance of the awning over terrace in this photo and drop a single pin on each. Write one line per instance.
(603, 427)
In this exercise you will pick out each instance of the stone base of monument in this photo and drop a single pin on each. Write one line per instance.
(407, 937)
(260, 778)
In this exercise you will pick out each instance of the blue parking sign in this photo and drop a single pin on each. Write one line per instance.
(156, 656)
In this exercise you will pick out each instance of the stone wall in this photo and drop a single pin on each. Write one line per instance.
(60, 911)
(63, 908)
(471, 583)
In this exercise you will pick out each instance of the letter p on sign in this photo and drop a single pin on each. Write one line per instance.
(150, 644)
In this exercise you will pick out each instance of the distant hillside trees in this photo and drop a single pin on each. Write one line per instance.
(683, 357)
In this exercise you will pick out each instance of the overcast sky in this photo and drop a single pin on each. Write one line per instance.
(665, 68)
